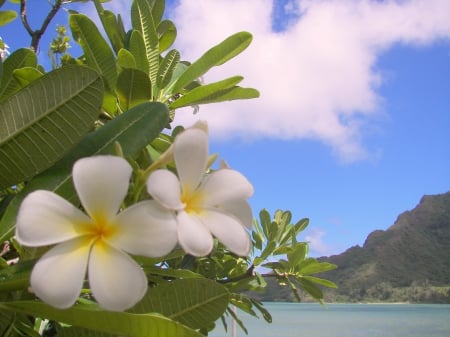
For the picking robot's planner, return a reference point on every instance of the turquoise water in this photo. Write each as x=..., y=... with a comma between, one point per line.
x=347, y=320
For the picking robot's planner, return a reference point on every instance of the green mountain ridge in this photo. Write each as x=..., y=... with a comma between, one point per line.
x=408, y=262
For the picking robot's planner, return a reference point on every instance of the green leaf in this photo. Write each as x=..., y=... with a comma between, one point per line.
x=142, y=20
x=310, y=288
x=293, y=287
x=125, y=59
x=16, y=277
x=166, y=272
x=257, y=240
x=21, y=58
x=7, y=320
x=215, y=92
x=91, y=317
x=81, y=332
x=268, y=250
x=167, y=33
x=111, y=25
x=297, y=254
x=97, y=52
x=215, y=56
x=7, y=16
x=137, y=49
x=236, y=319
x=167, y=67
x=158, y=7
x=265, y=221
x=301, y=225
x=312, y=266
x=133, y=88
x=25, y=76
x=266, y=314
x=194, y=302
x=41, y=122
x=126, y=129
x=320, y=281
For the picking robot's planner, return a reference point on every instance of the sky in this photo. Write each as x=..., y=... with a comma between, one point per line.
x=353, y=124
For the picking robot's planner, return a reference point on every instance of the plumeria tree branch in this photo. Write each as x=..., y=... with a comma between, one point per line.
x=36, y=35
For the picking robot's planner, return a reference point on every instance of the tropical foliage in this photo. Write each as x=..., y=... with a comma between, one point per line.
x=118, y=99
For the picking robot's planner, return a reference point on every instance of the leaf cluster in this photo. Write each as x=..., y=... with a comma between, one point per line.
x=119, y=97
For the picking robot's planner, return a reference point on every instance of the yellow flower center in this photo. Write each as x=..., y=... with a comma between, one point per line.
x=99, y=229
x=193, y=201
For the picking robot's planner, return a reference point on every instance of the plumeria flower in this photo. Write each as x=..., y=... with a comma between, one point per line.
x=97, y=241
x=204, y=205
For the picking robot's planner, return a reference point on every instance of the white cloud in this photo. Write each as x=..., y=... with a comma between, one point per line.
x=317, y=245
x=317, y=78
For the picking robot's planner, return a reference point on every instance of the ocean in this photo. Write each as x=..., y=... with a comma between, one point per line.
x=346, y=320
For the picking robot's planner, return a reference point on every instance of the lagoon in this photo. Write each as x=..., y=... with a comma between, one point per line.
x=346, y=320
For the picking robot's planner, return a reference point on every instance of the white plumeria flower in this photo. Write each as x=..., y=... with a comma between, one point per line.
x=204, y=205
x=98, y=243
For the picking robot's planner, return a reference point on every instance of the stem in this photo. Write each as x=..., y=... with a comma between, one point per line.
x=247, y=274
x=37, y=34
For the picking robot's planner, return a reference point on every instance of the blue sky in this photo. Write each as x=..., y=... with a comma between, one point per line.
x=353, y=124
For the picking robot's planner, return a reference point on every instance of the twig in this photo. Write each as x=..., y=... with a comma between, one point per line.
x=37, y=34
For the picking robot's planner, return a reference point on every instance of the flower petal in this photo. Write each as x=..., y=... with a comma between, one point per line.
x=116, y=280
x=225, y=185
x=193, y=235
x=57, y=278
x=146, y=229
x=102, y=184
x=45, y=218
x=228, y=230
x=165, y=188
x=191, y=156
x=240, y=209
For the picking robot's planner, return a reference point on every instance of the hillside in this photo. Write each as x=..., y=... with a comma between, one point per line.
x=410, y=261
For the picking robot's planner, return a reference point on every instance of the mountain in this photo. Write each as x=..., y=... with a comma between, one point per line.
x=415, y=249
x=410, y=261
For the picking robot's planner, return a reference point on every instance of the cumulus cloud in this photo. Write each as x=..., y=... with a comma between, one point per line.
x=317, y=73
x=317, y=77
x=317, y=245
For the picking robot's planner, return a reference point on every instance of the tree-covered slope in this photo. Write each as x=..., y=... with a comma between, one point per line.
x=410, y=261
x=416, y=249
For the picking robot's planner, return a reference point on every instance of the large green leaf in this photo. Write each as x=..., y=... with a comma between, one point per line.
x=81, y=332
x=142, y=20
x=112, y=26
x=137, y=49
x=41, y=122
x=97, y=52
x=167, y=68
x=91, y=317
x=125, y=129
x=21, y=58
x=215, y=56
x=195, y=302
x=133, y=88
